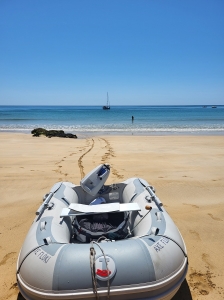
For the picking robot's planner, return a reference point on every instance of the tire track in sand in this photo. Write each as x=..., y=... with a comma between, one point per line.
x=80, y=164
x=108, y=154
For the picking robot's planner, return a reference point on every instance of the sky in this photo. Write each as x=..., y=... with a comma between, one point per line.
x=142, y=52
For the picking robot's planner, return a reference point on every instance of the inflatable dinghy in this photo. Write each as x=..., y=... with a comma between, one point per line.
x=97, y=241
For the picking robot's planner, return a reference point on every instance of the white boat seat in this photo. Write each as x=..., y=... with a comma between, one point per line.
x=76, y=209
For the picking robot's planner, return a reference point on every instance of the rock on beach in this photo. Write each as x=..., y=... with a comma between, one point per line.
x=52, y=133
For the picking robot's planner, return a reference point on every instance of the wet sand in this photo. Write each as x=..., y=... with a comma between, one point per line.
x=187, y=172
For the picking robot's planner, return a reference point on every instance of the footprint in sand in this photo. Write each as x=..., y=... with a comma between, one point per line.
x=200, y=283
x=6, y=257
x=193, y=205
x=195, y=234
x=206, y=259
x=214, y=218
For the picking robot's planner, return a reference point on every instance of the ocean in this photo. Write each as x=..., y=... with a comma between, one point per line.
x=118, y=120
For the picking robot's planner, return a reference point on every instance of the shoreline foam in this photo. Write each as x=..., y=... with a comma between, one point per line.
x=88, y=133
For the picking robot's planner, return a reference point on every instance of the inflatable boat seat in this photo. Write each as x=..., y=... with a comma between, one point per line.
x=90, y=222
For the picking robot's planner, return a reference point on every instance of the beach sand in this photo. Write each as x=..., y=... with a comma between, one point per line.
x=187, y=172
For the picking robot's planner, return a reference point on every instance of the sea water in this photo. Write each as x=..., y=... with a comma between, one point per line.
x=118, y=120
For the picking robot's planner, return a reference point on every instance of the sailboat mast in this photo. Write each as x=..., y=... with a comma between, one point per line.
x=108, y=105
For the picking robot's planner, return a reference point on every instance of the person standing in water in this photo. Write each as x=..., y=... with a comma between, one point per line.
x=132, y=118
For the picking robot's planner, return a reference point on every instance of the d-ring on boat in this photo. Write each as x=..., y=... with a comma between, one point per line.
x=97, y=241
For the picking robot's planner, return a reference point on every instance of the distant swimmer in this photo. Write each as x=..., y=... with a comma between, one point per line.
x=132, y=118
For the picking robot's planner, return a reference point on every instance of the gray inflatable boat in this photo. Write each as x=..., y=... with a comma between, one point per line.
x=98, y=241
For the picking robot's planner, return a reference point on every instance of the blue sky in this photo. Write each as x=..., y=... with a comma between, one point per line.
x=143, y=52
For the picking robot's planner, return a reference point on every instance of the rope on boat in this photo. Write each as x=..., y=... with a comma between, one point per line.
x=149, y=208
x=92, y=267
x=34, y=250
x=185, y=254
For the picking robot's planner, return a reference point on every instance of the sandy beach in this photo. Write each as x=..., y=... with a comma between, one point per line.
x=187, y=172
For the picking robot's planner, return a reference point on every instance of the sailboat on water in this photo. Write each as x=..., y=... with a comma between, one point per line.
x=108, y=104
